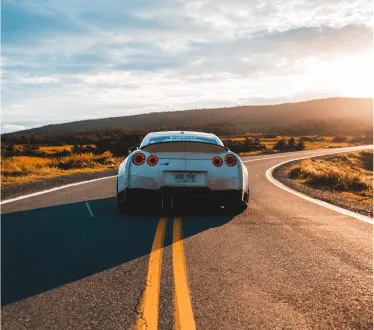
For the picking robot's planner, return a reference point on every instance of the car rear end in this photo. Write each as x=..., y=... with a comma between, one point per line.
x=185, y=169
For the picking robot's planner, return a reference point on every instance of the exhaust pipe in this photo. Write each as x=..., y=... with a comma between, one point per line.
x=167, y=202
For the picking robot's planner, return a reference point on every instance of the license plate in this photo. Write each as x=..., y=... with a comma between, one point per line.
x=184, y=178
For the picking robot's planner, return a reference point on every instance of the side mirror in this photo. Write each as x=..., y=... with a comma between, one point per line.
x=131, y=149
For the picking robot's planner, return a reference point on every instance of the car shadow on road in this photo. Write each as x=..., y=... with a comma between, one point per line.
x=45, y=248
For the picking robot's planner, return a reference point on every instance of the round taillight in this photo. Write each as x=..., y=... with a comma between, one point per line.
x=217, y=161
x=230, y=160
x=152, y=160
x=138, y=159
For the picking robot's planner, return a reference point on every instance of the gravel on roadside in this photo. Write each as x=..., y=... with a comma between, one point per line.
x=16, y=190
x=281, y=174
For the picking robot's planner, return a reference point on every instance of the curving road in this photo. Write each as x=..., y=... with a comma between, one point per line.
x=70, y=261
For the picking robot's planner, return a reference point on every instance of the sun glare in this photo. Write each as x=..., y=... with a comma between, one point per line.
x=350, y=76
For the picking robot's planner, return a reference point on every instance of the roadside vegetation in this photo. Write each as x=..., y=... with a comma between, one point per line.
x=26, y=162
x=267, y=144
x=349, y=175
x=22, y=169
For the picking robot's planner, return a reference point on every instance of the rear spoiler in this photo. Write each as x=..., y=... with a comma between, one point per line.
x=214, y=144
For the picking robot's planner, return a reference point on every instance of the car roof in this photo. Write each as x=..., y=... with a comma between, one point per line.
x=175, y=136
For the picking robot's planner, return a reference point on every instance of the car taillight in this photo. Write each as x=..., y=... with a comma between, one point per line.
x=217, y=161
x=138, y=159
x=152, y=160
x=230, y=160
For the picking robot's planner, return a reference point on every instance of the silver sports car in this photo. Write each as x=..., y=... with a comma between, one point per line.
x=170, y=165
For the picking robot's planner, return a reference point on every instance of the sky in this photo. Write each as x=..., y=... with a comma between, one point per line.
x=83, y=59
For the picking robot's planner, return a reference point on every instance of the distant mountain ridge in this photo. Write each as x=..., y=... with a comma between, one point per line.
x=355, y=114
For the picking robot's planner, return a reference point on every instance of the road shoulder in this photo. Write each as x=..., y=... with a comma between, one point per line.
x=280, y=173
x=17, y=190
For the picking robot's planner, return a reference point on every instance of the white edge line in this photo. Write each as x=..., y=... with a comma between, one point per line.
x=269, y=176
x=288, y=154
x=113, y=176
x=53, y=189
x=264, y=158
x=89, y=209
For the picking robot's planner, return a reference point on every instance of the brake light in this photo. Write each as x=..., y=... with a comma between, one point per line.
x=152, y=160
x=217, y=161
x=230, y=160
x=138, y=159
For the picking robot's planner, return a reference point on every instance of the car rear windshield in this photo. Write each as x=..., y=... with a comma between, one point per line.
x=197, y=147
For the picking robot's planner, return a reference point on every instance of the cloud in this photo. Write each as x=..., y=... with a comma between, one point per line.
x=75, y=60
x=7, y=128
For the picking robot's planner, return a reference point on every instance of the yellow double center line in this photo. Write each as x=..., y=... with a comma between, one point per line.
x=148, y=316
x=183, y=315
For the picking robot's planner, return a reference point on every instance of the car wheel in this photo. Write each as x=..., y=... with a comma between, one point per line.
x=122, y=204
x=246, y=198
x=122, y=207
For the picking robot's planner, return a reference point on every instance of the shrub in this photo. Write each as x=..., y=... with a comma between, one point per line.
x=244, y=145
x=76, y=161
x=339, y=139
x=10, y=150
x=30, y=150
x=300, y=145
x=362, y=139
x=366, y=158
x=76, y=149
x=281, y=145
x=104, y=158
x=314, y=138
x=307, y=138
x=270, y=136
x=295, y=172
x=88, y=149
x=291, y=144
x=62, y=153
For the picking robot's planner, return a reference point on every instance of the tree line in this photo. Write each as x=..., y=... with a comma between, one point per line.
x=120, y=147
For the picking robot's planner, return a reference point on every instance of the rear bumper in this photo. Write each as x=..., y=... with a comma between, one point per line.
x=157, y=181
x=181, y=192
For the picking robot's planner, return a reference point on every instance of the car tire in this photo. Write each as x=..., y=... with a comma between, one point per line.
x=246, y=198
x=122, y=204
x=122, y=207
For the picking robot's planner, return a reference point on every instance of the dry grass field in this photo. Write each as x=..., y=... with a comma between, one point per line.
x=54, y=149
x=310, y=142
x=315, y=143
x=21, y=169
x=350, y=175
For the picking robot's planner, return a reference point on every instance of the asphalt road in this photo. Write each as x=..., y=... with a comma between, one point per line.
x=284, y=263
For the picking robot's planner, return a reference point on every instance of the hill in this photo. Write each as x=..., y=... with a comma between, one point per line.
x=334, y=116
